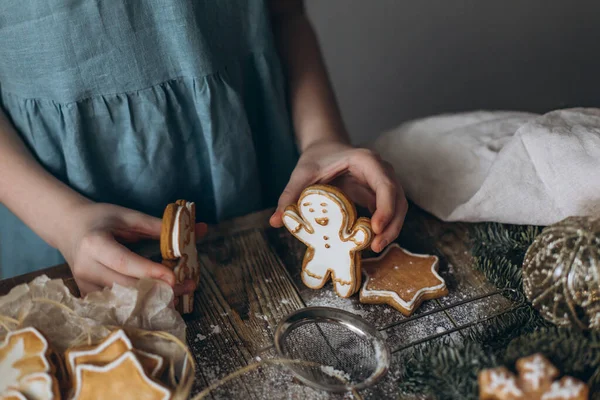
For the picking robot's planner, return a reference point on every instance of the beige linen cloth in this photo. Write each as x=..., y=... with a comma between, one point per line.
x=509, y=167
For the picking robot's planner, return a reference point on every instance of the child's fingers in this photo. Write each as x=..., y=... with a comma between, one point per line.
x=122, y=260
x=358, y=193
x=370, y=169
x=187, y=287
x=86, y=287
x=301, y=177
x=142, y=223
x=393, y=229
x=104, y=276
x=201, y=230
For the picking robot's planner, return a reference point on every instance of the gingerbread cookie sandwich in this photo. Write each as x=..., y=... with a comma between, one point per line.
x=535, y=381
x=178, y=247
x=26, y=370
x=401, y=279
x=325, y=221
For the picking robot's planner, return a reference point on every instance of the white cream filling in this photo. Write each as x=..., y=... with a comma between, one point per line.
x=176, y=248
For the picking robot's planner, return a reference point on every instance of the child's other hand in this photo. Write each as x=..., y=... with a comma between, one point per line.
x=361, y=174
x=94, y=251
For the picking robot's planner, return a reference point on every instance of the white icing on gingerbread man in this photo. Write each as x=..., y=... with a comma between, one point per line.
x=326, y=223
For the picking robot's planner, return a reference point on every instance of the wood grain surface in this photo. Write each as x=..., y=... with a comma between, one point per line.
x=250, y=280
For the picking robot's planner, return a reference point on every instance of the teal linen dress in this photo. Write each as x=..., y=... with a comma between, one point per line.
x=141, y=102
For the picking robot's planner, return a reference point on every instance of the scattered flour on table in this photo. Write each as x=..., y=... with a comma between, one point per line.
x=326, y=297
x=440, y=329
x=216, y=329
x=285, y=301
x=260, y=316
x=199, y=337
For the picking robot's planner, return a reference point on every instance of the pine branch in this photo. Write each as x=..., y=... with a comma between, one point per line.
x=445, y=371
x=574, y=352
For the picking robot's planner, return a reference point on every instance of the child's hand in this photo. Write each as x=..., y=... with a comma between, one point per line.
x=361, y=174
x=93, y=249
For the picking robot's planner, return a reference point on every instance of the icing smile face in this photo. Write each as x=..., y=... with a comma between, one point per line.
x=322, y=221
x=324, y=211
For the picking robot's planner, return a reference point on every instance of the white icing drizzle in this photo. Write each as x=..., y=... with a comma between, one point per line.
x=388, y=293
x=37, y=386
x=129, y=356
x=118, y=335
x=8, y=379
x=157, y=358
x=503, y=382
x=565, y=389
x=536, y=371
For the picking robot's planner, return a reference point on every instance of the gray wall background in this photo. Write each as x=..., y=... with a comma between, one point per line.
x=394, y=60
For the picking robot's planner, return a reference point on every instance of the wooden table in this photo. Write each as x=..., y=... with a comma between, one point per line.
x=251, y=280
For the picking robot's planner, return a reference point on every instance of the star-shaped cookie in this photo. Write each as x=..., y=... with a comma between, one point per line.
x=24, y=367
x=124, y=378
x=401, y=279
x=113, y=346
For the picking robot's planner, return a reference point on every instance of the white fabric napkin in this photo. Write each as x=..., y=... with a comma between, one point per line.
x=509, y=167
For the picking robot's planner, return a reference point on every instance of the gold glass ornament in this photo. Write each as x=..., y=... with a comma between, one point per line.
x=561, y=272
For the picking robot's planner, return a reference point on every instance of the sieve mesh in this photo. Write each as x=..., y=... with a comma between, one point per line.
x=335, y=354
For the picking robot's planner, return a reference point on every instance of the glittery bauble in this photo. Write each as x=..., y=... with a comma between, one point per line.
x=561, y=272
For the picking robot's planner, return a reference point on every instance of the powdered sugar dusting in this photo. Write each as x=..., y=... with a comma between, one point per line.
x=536, y=371
x=504, y=383
x=335, y=373
x=566, y=388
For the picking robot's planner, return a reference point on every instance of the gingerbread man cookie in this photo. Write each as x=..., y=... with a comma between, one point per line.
x=325, y=221
x=401, y=279
x=178, y=246
x=535, y=381
x=24, y=367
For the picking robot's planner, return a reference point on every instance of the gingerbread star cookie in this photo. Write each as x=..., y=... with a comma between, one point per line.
x=114, y=369
x=24, y=367
x=535, y=381
x=401, y=279
x=178, y=247
x=123, y=378
x=112, y=347
x=325, y=221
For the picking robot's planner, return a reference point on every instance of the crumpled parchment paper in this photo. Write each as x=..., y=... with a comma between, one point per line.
x=67, y=321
